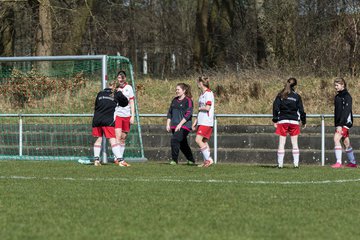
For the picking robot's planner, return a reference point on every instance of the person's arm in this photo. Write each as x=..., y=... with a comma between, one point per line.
x=132, y=109
x=302, y=112
x=276, y=109
x=187, y=115
x=121, y=99
x=346, y=120
x=169, y=117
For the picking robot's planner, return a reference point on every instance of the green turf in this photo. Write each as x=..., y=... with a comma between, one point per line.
x=66, y=200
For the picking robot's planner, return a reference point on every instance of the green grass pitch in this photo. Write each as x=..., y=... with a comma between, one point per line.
x=66, y=200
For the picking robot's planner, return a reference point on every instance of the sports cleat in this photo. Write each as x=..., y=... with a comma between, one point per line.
x=296, y=166
x=97, y=163
x=336, y=165
x=280, y=167
x=191, y=163
x=117, y=160
x=173, y=162
x=123, y=164
x=207, y=163
x=351, y=165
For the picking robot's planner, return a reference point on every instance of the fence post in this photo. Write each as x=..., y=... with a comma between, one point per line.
x=215, y=139
x=322, y=140
x=20, y=135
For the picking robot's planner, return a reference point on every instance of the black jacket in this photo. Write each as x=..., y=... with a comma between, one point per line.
x=105, y=104
x=343, y=109
x=181, y=109
x=290, y=108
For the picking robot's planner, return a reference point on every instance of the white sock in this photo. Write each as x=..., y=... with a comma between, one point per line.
x=205, y=152
x=116, y=150
x=122, y=150
x=97, y=150
x=338, y=154
x=296, y=154
x=280, y=157
x=350, y=155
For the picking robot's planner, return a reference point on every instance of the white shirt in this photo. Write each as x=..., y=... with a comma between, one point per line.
x=206, y=118
x=128, y=92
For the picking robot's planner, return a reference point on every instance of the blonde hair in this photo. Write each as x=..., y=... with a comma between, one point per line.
x=205, y=81
x=340, y=81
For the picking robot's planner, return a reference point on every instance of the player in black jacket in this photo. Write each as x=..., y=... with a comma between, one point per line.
x=343, y=122
x=288, y=111
x=179, y=122
x=104, y=121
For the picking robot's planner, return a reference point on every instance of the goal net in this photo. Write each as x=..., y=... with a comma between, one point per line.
x=46, y=107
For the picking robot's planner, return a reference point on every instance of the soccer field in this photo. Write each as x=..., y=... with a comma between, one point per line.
x=66, y=200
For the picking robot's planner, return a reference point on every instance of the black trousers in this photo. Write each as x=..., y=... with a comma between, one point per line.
x=179, y=142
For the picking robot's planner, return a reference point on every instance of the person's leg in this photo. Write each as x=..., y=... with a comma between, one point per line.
x=115, y=147
x=97, y=147
x=184, y=146
x=122, y=143
x=204, y=147
x=349, y=153
x=175, y=145
x=295, y=150
x=338, y=150
x=281, y=151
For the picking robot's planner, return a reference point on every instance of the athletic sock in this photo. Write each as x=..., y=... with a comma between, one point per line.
x=350, y=155
x=280, y=157
x=122, y=150
x=338, y=154
x=296, y=154
x=116, y=150
x=97, y=150
x=205, y=152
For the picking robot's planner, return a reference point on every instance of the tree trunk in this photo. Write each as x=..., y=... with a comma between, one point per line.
x=44, y=40
x=78, y=28
x=7, y=32
x=201, y=34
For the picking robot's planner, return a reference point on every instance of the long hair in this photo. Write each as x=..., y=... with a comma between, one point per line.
x=288, y=88
x=186, y=88
x=205, y=81
x=340, y=81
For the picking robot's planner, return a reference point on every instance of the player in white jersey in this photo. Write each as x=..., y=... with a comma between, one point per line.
x=124, y=116
x=205, y=120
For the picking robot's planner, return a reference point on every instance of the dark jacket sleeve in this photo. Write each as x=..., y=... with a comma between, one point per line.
x=301, y=111
x=121, y=99
x=276, y=109
x=347, y=110
x=189, y=110
x=169, y=114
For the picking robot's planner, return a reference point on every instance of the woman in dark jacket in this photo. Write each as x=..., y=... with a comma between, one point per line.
x=343, y=122
x=179, y=122
x=288, y=112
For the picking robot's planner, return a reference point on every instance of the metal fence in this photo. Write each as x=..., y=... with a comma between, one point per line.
x=321, y=117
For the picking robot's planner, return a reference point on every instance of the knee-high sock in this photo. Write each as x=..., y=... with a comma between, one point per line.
x=280, y=157
x=122, y=150
x=296, y=154
x=338, y=154
x=205, y=152
x=350, y=155
x=97, y=150
x=116, y=150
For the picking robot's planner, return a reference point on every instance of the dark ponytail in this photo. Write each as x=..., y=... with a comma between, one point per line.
x=288, y=88
x=186, y=88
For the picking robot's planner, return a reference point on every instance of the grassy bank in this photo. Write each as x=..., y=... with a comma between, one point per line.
x=246, y=92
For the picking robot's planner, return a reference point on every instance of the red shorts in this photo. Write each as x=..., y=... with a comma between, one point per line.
x=344, y=132
x=204, y=131
x=108, y=131
x=123, y=123
x=284, y=128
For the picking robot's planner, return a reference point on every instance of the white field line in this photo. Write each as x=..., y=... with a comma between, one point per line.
x=180, y=180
